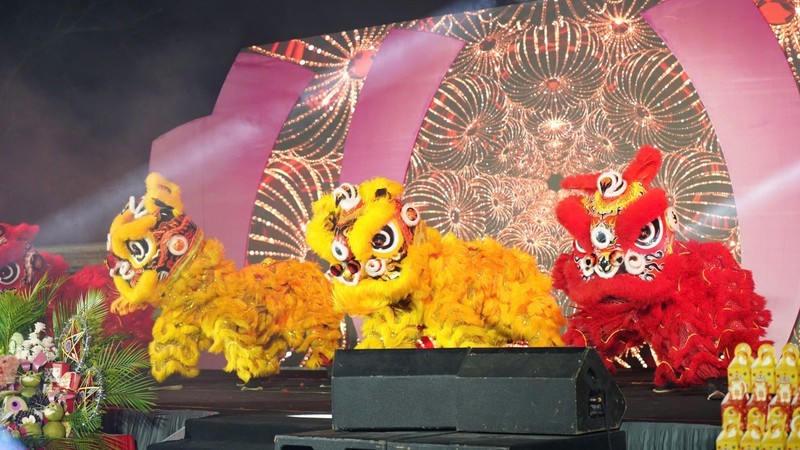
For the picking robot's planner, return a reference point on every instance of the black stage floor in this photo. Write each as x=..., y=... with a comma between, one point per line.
x=298, y=391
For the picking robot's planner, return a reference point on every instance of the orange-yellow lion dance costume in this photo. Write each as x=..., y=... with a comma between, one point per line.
x=253, y=316
x=417, y=288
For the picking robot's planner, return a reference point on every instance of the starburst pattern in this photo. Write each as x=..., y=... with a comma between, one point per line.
x=487, y=41
x=601, y=143
x=465, y=120
x=622, y=29
x=449, y=203
x=319, y=121
x=649, y=99
x=283, y=203
x=512, y=156
x=554, y=65
x=699, y=189
x=497, y=194
x=556, y=130
x=533, y=238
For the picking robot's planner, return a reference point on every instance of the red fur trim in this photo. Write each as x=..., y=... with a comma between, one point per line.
x=17, y=236
x=586, y=182
x=572, y=215
x=23, y=231
x=56, y=265
x=137, y=324
x=638, y=214
x=699, y=307
x=644, y=166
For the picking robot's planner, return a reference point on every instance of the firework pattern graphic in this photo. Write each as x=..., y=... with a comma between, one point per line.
x=539, y=91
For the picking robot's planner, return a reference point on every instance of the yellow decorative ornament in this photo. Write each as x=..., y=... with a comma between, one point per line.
x=417, y=288
x=253, y=316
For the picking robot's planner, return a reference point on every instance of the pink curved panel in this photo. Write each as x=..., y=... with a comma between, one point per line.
x=218, y=160
x=401, y=83
x=745, y=83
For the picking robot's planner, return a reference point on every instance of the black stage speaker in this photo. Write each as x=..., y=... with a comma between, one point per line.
x=564, y=391
x=560, y=391
x=400, y=389
x=445, y=440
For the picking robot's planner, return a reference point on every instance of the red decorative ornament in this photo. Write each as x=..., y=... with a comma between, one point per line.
x=777, y=12
x=359, y=66
x=425, y=342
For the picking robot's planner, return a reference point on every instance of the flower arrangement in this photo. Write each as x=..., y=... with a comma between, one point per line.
x=59, y=380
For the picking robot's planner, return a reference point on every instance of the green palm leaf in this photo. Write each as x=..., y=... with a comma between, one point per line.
x=20, y=310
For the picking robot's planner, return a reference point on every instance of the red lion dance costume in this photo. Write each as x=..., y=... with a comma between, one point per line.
x=22, y=266
x=633, y=285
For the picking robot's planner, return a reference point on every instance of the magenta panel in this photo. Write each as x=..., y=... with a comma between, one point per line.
x=405, y=75
x=219, y=160
x=742, y=76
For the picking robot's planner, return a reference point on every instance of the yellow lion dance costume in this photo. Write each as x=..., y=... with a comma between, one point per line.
x=253, y=316
x=416, y=288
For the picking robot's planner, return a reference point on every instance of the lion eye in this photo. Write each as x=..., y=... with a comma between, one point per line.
x=601, y=236
x=138, y=249
x=340, y=250
x=165, y=215
x=650, y=235
x=386, y=240
x=9, y=274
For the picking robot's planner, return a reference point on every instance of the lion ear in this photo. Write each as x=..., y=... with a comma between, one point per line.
x=319, y=230
x=21, y=232
x=162, y=192
x=644, y=167
x=380, y=188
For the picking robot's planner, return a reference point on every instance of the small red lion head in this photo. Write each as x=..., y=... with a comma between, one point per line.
x=20, y=264
x=623, y=226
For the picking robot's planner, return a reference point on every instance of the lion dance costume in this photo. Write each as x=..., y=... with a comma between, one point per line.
x=253, y=316
x=417, y=288
x=22, y=266
x=633, y=285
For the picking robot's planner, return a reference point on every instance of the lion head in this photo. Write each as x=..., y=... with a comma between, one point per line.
x=149, y=240
x=367, y=234
x=622, y=227
x=21, y=265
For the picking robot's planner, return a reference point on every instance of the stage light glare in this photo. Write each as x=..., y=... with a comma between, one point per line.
x=772, y=186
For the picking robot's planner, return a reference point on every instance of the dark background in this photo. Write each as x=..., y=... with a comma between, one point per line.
x=85, y=87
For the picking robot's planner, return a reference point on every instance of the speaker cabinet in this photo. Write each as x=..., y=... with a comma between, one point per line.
x=557, y=391
x=564, y=391
x=398, y=389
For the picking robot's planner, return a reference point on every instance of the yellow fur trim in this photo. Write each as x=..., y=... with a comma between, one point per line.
x=380, y=213
x=142, y=293
x=320, y=228
x=163, y=190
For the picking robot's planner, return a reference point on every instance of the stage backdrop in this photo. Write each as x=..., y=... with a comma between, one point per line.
x=481, y=114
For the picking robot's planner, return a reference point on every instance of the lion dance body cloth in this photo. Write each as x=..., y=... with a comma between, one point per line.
x=416, y=288
x=253, y=316
x=634, y=286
